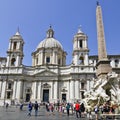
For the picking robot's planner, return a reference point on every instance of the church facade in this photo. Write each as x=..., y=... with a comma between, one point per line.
x=49, y=78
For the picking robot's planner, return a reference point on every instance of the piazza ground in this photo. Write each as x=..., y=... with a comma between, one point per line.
x=14, y=113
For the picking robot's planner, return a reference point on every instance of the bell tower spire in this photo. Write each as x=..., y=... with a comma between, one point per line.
x=103, y=65
x=80, y=48
x=15, y=51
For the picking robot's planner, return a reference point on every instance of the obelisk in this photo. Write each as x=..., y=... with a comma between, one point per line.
x=103, y=65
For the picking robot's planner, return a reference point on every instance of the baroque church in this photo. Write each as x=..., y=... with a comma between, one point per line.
x=49, y=78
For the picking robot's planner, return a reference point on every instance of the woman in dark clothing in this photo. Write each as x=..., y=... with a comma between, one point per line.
x=36, y=108
x=68, y=108
x=82, y=108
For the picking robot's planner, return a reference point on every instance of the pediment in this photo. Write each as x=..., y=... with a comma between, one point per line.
x=46, y=73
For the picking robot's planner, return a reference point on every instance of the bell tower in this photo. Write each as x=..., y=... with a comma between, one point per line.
x=80, y=48
x=15, y=51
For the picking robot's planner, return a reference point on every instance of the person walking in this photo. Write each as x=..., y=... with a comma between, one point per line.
x=6, y=106
x=21, y=106
x=77, y=108
x=68, y=108
x=29, y=108
x=36, y=106
x=82, y=108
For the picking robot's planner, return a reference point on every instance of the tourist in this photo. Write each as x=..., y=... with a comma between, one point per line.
x=96, y=109
x=7, y=106
x=77, y=108
x=29, y=108
x=68, y=108
x=51, y=108
x=47, y=106
x=36, y=108
x=82, y=108
x=72, y=108
x=21, y=106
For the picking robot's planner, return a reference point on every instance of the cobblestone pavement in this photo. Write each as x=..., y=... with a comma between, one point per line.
x=13, y=113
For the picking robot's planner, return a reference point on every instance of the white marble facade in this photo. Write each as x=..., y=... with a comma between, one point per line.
x=49, y=78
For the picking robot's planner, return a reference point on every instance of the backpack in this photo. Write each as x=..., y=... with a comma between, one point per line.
x=68, y=107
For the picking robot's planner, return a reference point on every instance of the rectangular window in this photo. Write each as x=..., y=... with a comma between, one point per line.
x=82, y=85
x=9, y=86
x=80, y=44
x=59, y=61
x=48, y=60
x=15, y=45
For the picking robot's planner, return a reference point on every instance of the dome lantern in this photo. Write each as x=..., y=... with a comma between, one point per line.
x=50, y=33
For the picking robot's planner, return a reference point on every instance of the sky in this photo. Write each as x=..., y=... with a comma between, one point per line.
x=33, y=17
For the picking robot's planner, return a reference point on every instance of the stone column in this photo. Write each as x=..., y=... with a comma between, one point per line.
x=39, y=91
x=42, y=57
x=68, y=91
x=88, y=85
x=56, y=56
x=14, y=89
x=1, y=82
x=35, y=90
x=53, y=57
x=78, y=44
x=119, y=63
x=56, y=90
x=12, y=45
x=19, y=90
x=80, y=89
x=8, y=61
x=77, y=89
x=72, y=92
x=86, y=59
x=17, y=61
x=3, y=90
x=52, y=90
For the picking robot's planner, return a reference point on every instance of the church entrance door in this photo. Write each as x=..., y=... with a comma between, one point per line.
x=27, y=97
x=46, y=95
x=64, y=97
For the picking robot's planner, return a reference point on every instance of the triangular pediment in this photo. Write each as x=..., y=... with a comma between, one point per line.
x=46, y=73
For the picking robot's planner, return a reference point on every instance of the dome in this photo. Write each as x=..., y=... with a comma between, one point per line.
x=50, y=41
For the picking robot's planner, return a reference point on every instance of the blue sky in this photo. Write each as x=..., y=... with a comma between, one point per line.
x=35, y=16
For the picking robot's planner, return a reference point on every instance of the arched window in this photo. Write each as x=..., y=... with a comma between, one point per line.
x=15, y=45
x=81, y=59
x=13, y=60
x=80, y=44
x=9, y=85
